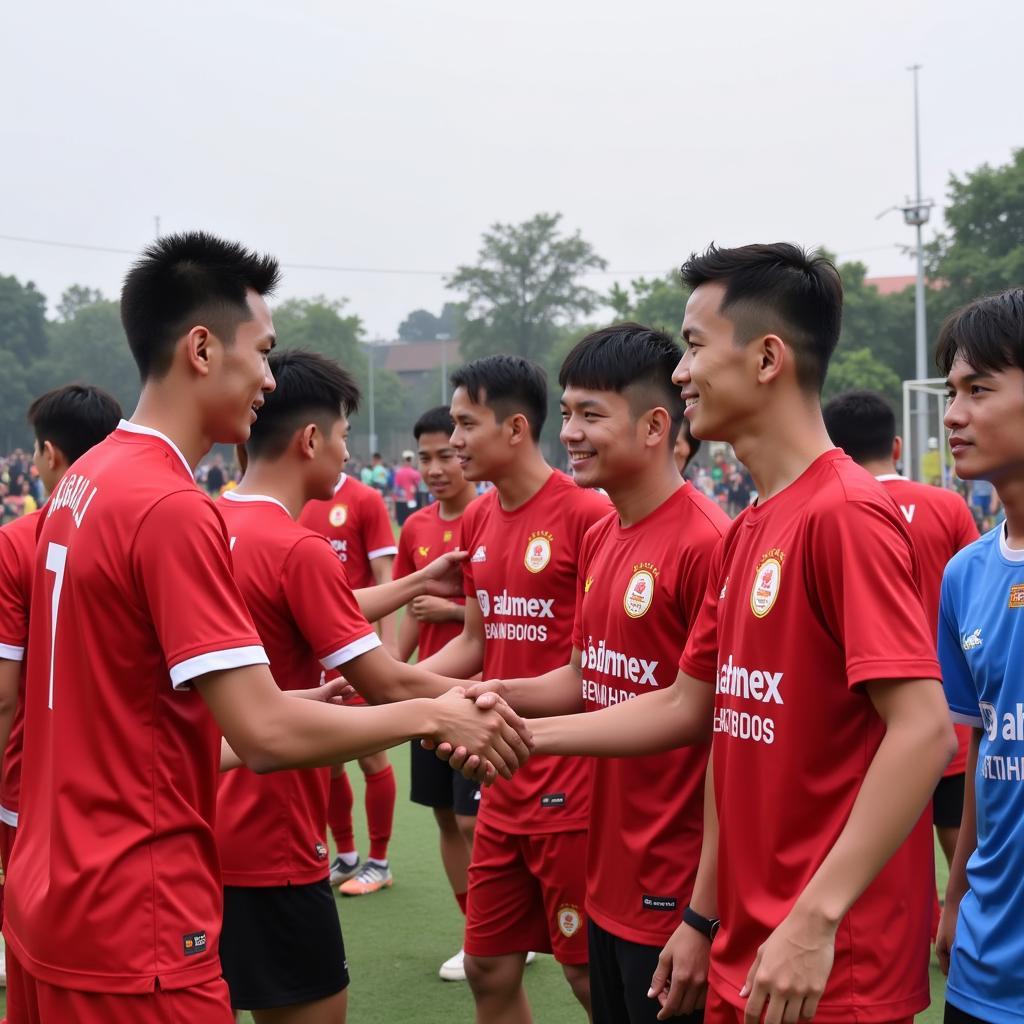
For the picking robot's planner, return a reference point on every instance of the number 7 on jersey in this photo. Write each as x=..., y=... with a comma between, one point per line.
x=56, y=560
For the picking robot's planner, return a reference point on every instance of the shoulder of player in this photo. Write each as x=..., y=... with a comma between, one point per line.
x=703, y=513
x=21, y=532
x=969, y=560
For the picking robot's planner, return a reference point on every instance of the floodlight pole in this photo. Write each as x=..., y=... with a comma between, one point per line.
x=373, y=408
x=918, y=216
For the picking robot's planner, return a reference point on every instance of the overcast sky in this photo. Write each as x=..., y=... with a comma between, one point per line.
x=389, y=135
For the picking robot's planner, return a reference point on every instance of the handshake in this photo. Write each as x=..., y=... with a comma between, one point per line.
x=478, y=733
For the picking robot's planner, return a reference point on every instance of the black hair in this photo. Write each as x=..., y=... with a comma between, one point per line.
x=184, y=280
x=628, y=357
x=862, y=423
x=434, y=421
x=988, y=333
x=507, y=385
x=73, y=418
x=782, y=289
x=310, y=389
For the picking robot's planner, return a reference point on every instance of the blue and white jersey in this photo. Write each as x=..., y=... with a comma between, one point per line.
x=981, y=648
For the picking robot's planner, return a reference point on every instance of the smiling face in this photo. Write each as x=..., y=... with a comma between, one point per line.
x=603, y=436
x=239, y=376
x=717, y=377
x=439, y=465
x=985, y=418
x=481, y=443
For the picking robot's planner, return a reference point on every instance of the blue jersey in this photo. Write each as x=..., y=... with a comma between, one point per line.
x=981, y=647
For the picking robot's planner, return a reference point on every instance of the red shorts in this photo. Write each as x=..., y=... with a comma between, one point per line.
x=526, y=893
x=7, y=834
x=30, y=1001
x=718, y=1011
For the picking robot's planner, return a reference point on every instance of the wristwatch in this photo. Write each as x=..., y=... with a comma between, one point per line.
x=707, y=926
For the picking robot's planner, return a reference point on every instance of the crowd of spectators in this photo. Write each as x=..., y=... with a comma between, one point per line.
x=21, y=490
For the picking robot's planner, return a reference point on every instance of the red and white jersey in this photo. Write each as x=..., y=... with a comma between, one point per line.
x=812, y=594
x=114, y=884
x=522, y=570
x=17, y=554
x=940, y=524
x=639, y=590
x=356, y=523
x=426, y=536
x=271, y=828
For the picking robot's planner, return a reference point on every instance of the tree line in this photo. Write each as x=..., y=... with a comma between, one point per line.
x=526, y=293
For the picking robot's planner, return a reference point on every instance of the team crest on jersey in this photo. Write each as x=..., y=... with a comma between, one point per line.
x=337, y=516
x=538, y=551
x=424, y=551
x=321, y=851
x=446, y=539
x=640, y=591
x=569, y=919
x=767, y=580
x=1017, y=595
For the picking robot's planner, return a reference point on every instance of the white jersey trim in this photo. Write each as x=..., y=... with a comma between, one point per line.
x=365, y=643
x=962, y=719
x=890, y=476
x=235, y=496
x=9, y=817
x=1010, y=554
x=138, y=428
x=12, y=653
x=217, y=661
x=381, y=552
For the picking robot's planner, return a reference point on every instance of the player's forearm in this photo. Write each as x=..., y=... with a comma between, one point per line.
x=554, y=693
x=704, y=898
x=668, y=718
x=229, y=760
x=461, y=658
x=10, y=679
x=898, y=784
x=408, y=637
x=385, y=598
x=967, y=839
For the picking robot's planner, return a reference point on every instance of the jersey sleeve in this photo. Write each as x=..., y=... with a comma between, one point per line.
x=700, y=655
x=13, y=604
x=957, y=681
x=469, y=543
x=403, y=560
x=323, y=605
x=585, y=557
x=378, y=537
x=862, y=575
x=185, y=579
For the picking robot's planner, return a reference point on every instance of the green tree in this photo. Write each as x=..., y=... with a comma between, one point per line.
x=654, y=302
x=860, y=368
x=75, y=298
x=524, y=286
x=983, y=249
x=22, y=319
x=318, y=324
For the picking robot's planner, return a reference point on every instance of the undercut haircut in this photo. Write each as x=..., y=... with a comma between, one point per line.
x=73, y=418
x=987, y=333
x=862, y=423
x=310, y=389
x=183, y=281
x=434, y=421
x=632, y=360
x=507, y=385
x=780, y=289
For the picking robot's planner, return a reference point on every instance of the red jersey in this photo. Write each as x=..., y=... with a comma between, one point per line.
x=17, y=553
x=811, y=595
x=426, y=536
x=638, y=591
x=356, y=523
x=940, y=524
x=271, y=828
x=522, y=571
x=114, y=885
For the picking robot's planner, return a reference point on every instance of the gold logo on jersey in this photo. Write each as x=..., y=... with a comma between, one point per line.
x=569, y=919
x=424, y=551
x=767, y=579
x=538, y=551
x=337, y=516
x=1017, y=595
x=588, y=584
x=639, y=594
x=446, y=539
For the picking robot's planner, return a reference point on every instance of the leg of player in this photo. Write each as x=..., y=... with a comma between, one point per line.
x=497, y=984
x=375, y=874
x=332, y=1010
x=346, y=864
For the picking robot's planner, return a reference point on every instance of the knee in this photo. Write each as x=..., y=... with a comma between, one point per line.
x=578, y=976
x=374, y=763
x=491, y=976
x=446, y=821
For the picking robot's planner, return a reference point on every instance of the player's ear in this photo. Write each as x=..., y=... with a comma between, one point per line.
x=197, y=345
x=656, y=424
x=519, y=427
x=897, y=448
x=53, y=456
x=308, y=437
x=772, y=356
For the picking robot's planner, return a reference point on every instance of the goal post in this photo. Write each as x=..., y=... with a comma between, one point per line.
x=921, y=462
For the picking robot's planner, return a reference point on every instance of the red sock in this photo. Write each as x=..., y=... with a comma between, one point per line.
x=460, y=898
x=339, y=813
x=380, y=811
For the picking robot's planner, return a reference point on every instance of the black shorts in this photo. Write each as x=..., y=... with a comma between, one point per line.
x=620, y=975
x=948, y=802
x=281, y=945
x=434, y=784
x=955, y=1016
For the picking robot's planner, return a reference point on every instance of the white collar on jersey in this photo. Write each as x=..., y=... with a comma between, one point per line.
x=890, y=476
x=1010, y=554
x=235, y=496
x=341, y=482
x=138, y=428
